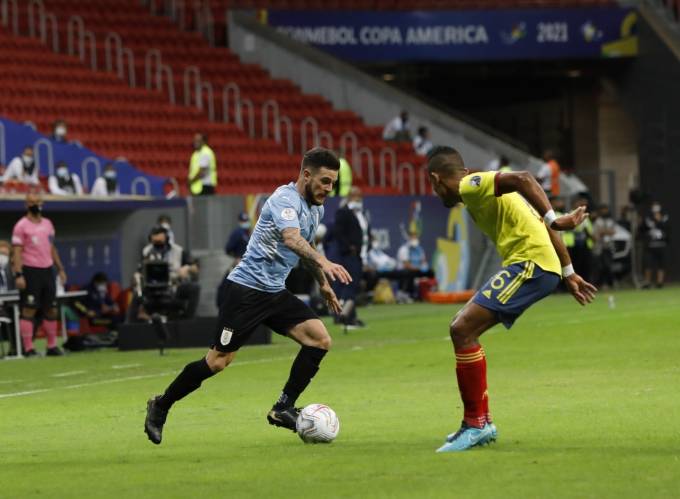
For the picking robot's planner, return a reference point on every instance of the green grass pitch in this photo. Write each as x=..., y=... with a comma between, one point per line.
x=586, y=401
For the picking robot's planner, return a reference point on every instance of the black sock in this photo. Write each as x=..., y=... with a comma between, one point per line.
x=304, y=367
x=186, y=382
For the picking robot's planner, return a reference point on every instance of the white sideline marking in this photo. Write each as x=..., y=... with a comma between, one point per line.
x=7, y=381
x=125, y=366
x=69, y=373
x=130, y=378
x=19, y=394
x=159, y=375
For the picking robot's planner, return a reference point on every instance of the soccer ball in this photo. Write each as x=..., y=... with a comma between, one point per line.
x=317, y=423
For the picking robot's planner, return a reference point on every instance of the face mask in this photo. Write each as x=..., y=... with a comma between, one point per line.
x=110, y=174
x=159, y=246
x=60, y=131
x=102, y=289
x=413, y=242
x=355, y=205
x=35, y=209
x=244, y=225
x=62, y=172
x=165, y=225
x=28, y=160
x=4, y=260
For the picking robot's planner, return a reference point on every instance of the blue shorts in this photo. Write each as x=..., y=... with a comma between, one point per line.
x=514, y=289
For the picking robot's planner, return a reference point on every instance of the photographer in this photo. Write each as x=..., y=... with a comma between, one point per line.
x=182, y=273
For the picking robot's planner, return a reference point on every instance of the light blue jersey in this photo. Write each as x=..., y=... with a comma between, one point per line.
x=267, y=261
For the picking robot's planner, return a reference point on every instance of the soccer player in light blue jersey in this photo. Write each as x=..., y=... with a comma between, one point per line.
x=255, y=294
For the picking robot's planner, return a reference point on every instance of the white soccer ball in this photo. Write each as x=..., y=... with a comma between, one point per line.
x=317, y=423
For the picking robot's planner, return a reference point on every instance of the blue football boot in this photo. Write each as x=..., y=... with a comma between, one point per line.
x=466, y=437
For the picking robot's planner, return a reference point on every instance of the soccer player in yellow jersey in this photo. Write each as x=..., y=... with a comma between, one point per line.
x=513, y=210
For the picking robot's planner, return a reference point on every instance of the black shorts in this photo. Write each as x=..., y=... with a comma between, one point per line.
x=244, y=308
x=655, y=258
x=41, y=289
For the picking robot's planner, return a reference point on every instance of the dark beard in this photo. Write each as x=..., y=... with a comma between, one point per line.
x=309, y=196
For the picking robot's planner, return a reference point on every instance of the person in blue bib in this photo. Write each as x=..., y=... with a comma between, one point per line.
x=255, y=294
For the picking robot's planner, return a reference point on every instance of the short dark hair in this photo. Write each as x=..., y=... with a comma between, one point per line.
x=320, y=157
x=100, y=277
x=444, y=160
x=163, y=217
x=158, y=229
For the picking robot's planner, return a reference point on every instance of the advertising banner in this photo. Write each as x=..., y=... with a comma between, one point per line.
x=506, y=34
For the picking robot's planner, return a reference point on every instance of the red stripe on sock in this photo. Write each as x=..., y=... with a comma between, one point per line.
x=472, y=385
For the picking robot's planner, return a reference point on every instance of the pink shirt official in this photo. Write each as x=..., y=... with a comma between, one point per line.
x=36, y=242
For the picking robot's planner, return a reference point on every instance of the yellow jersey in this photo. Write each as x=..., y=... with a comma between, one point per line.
x=518, y=232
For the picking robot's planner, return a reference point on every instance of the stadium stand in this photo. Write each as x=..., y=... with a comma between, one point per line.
x=151, y=128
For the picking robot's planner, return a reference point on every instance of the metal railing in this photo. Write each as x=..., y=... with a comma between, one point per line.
x=143, y=181
x=364, y=152
x=90, y=160
x=76, y=22
x=274, y=106
x=43, y=17
x=38, y=155
x=232, y=88
x=352, y=138
x=384, y=153
x=176, y=10
x=200, y=87
x=311, y=121
x=205, y=24
x=156, y=82
x=289, y=132
x=4, y=12
x=248, y=104
x=408, y=167
x=424, y=181
x=113, y=38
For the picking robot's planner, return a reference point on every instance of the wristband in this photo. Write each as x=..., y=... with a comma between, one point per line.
x=549, y=217
x=568, y=270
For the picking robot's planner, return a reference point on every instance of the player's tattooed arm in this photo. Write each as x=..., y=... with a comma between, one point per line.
x=316, y=272
x=324, y=287
x=529, y=188
x=297, y=244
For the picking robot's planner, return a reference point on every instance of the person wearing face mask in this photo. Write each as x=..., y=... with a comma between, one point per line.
x=6, y=285
x=238, y=239
x=98, y=305
x=64, y=183
x=604, y=230
x=412, y=259
x=166, y=222
x=656, y=229
x=59, y=132
x=183, y=269
x=107, y=184
x=22, y=169
x=35, y=257
x=202, y=177
x=351, y=231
